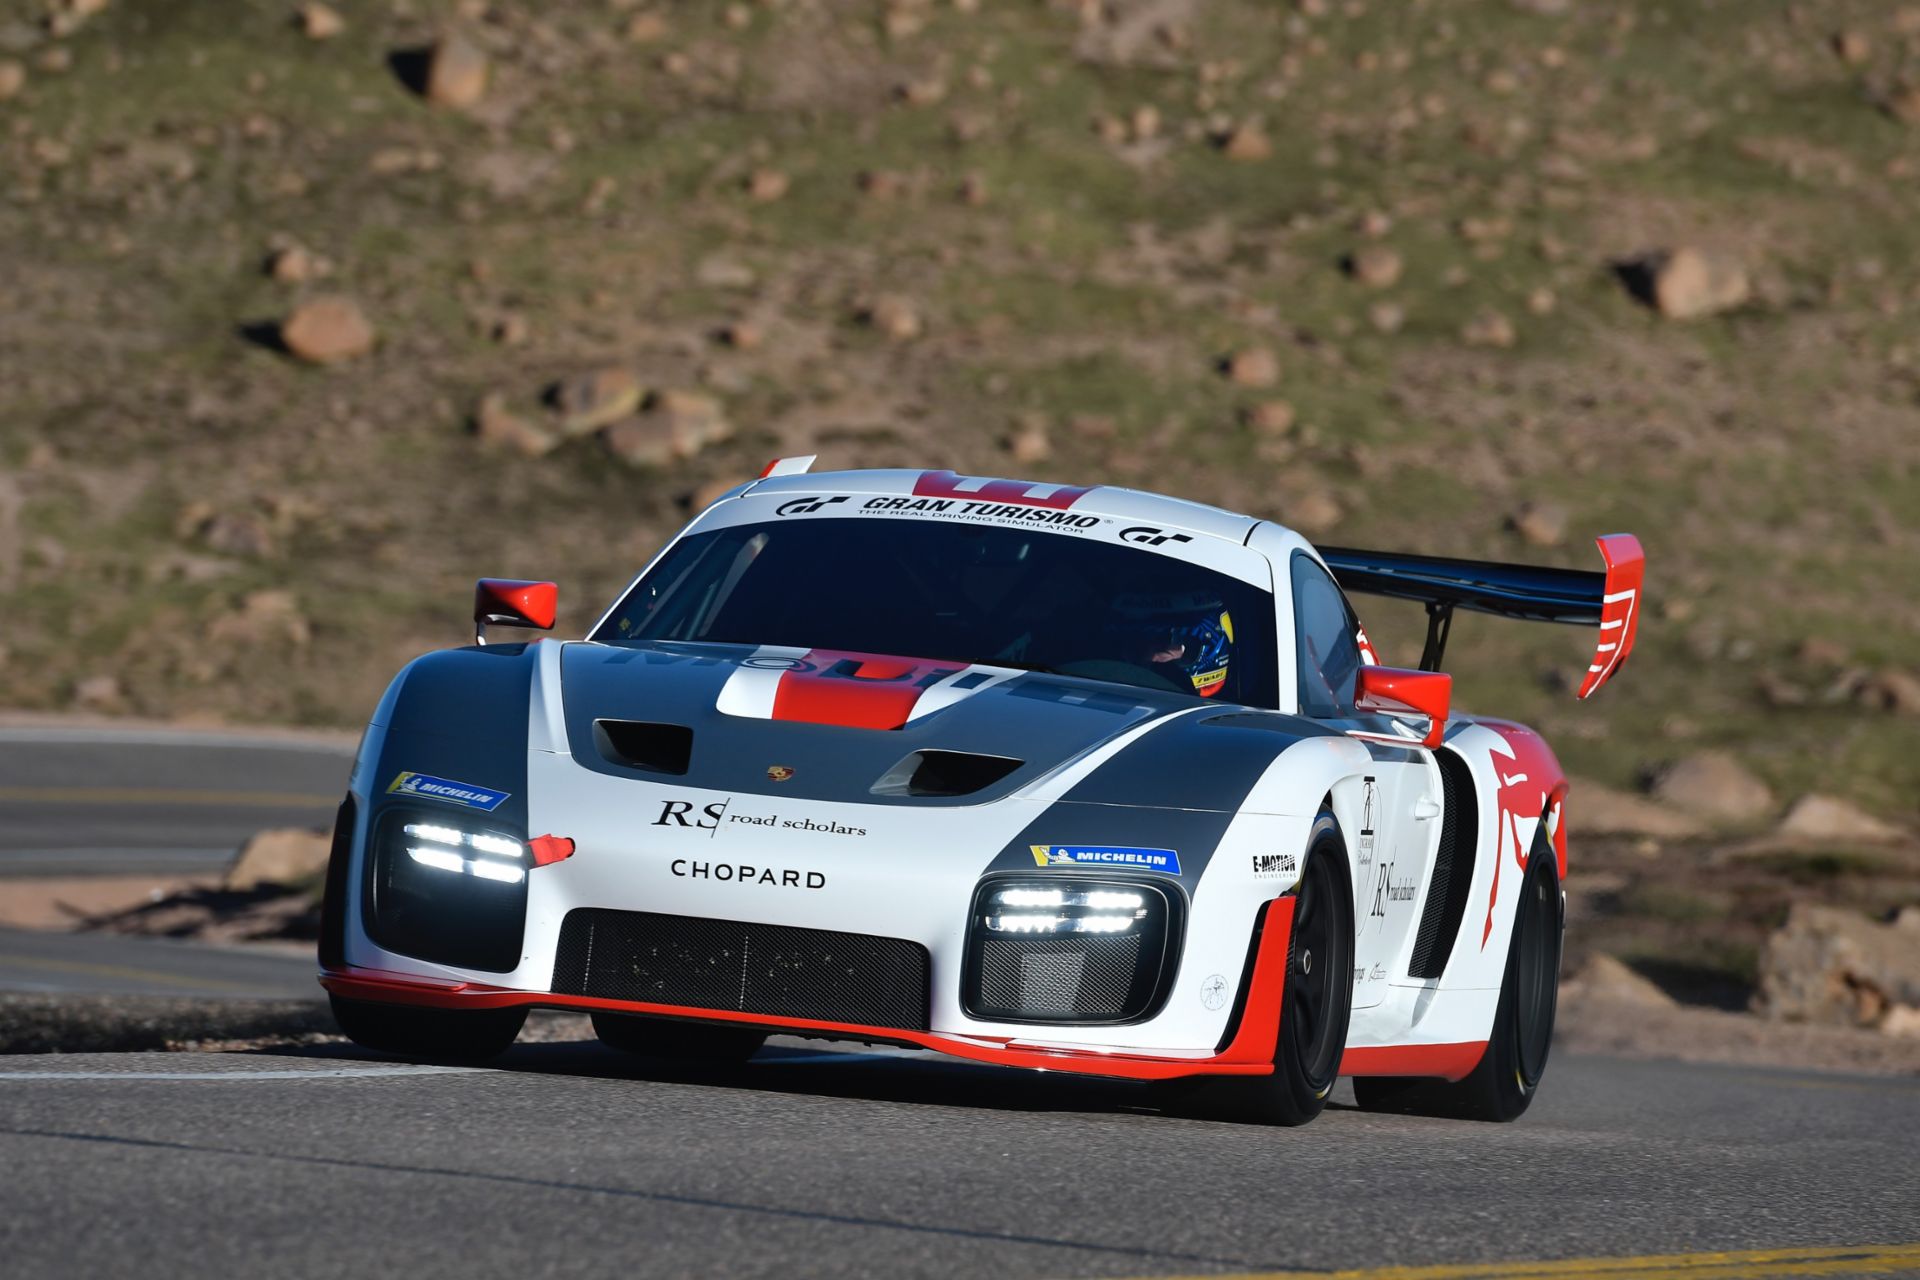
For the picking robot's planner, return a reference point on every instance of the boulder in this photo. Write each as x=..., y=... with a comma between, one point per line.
x=1818, y=819
x=1712, y=784
x=676, y=425
x=1833, y=966
x=1596, y=810
x=327, y=331
x=497, y=426
x=456, y=72
x=593, y=400
x=1253, y=367
x=1891, y=690
x=320, y=22
x=13, y=78
x=279, y=855
x=1688, y=283
x=1375, y=266
x=1541, y=524
x=1604, y=977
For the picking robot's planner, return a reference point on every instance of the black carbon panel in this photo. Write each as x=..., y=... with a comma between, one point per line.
x=776, y=970
x=1084, y=976
x=1452, y=869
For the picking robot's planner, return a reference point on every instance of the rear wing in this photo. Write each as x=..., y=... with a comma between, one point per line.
x=1609, y=600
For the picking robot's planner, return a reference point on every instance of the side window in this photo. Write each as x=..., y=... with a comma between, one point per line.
x=1325, y=641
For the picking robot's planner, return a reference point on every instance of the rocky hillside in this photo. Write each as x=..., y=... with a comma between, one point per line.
x=313, y=313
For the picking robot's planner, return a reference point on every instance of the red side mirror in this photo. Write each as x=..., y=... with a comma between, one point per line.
x=512, y=603
x=1396, y=691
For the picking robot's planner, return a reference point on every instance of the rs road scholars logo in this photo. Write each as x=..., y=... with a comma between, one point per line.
x=1114, y=856
x=464, y=794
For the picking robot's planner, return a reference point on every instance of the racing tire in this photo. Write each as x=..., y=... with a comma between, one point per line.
x=668, y=1038
x=1316, y=1004
x=1503, y=1085
x=432, y=1035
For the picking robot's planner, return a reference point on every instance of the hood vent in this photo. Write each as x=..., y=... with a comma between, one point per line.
x=944, y=773
x=639, y=744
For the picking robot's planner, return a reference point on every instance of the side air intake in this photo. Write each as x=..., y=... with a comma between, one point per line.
x=638, y=744
x=1452, y=868
x=944, y=773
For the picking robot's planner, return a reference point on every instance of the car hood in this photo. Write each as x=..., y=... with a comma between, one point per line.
x=835, y=726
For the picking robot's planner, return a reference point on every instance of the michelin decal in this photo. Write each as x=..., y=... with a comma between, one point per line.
x=464, y=794
x=1110, y=856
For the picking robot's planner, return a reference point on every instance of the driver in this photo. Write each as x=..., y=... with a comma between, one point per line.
x=1187, y=640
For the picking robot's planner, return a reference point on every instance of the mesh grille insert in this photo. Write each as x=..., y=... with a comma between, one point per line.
x=1083, y=977
x=776, y=970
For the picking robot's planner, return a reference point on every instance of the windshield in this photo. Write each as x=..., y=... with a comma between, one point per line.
x=955, y=592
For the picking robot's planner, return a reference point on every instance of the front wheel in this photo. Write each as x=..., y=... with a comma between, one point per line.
x=1316, y=1003
x=433, y=1035
x=1503, y=1085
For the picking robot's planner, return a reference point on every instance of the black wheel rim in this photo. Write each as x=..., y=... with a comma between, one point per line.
x=1314, y=970
x=1536, y=975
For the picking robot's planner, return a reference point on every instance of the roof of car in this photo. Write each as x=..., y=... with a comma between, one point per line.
x=1101, y=500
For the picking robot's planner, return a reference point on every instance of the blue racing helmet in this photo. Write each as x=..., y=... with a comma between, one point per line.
x=1189, y=638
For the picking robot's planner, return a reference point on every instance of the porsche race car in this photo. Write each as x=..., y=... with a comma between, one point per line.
x=1075, y=778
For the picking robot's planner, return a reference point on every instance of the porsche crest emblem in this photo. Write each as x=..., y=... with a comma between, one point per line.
x=779, y=772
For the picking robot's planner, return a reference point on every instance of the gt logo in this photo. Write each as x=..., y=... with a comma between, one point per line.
x=805, y=506
x=1149, y=536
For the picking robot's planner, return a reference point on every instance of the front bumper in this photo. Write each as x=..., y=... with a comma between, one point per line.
x=1253, y=1031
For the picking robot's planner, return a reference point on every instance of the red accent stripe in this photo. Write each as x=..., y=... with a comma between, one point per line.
x=856, y=690
x=1441, y=1061
x=946, y=484
x=1626, y=575
x=1250, y=1054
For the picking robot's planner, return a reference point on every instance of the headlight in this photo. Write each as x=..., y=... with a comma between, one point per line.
x=447, y=849
x=1069, y=949
x=441, y=888
x=1010, y=910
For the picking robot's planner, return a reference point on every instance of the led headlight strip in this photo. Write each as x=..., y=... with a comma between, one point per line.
x=1063, y=910
x=445, y=849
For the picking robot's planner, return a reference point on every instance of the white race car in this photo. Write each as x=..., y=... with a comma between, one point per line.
x=1083, y=779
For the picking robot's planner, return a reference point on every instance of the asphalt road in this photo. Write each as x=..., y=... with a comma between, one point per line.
x=572, y=1160
x=86, y=801
x=34, y=962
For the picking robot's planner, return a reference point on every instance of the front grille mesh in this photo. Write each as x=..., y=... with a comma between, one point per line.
x=778, y=970
x=1082, y=977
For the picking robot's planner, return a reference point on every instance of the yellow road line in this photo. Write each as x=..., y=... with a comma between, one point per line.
x=1748, y=1264
x=166, y=795
x=122, y=971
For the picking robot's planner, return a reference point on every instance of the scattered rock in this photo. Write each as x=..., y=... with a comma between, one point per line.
x=1246, y=143
x=282, y=856
x=972, y=190
x=265, y=619
x=894, y=316
x=1541, y=301
x=498, y=426
x=646, y=28
x=456, y=72
x=1712, y=784
x=13, y=78
x=594, y=400
x=1852, y=47
x=742, y=335
x=1489, y=329
x=99, y=693
x=1817, y=818
x=676, y=425
x=319, y=22
x=1541, y=524
x=1314, y=512
x=1605, y=978
x=1386, y=317
x=1375, y=265
x=1599, y=810
x=1890, y=690
x=764, y=186
x=717, y=271
x=1688, y=283
x=878, y=184
x=1903, y=103
x=1030, y=442
x=326, y=331
x=1269, y=417
x=1828, y=965
x=292, y=265
x=509, y=329
x=55, y=59
x=1252, y=367
x=235, y=534
x=1818, y=651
